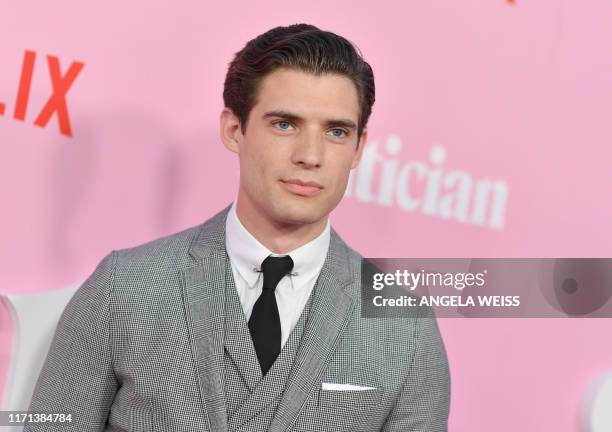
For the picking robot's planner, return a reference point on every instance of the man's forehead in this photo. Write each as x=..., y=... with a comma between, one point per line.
x=307, y=94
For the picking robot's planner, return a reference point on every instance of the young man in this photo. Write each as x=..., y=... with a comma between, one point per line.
x=251, y=321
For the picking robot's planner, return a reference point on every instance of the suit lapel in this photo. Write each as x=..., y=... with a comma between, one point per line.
x=238, y=343
x=331, y=310
x=204, y=296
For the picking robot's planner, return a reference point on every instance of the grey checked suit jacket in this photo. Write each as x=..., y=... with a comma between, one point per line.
x=140, y=348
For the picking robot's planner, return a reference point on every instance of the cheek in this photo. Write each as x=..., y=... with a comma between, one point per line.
x=342, y=168
x=260, y=160
x=252, y=155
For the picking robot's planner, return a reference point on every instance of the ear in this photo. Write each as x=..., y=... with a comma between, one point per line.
x=360, y=145
x=231, y=133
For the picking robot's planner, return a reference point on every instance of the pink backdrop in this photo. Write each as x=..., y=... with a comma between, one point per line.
x=512, y=95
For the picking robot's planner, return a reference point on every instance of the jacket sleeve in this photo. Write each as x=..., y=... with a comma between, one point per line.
x=424, y=401
x=77, y=376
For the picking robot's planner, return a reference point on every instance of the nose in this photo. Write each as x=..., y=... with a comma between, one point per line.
x=309, y=149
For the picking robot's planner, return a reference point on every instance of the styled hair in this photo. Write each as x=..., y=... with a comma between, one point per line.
x=300, y=47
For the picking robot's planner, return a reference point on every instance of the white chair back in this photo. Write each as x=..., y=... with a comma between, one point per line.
x=597, y=405
x=34, y=318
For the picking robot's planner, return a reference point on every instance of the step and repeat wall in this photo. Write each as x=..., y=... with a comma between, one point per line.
x=109, y=137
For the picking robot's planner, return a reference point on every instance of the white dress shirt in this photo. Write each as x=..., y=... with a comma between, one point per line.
x=246, y=254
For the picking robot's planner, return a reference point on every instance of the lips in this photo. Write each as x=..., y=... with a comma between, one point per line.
x=301, y=187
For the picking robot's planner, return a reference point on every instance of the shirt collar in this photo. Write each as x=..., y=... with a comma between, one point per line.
x=247, y=253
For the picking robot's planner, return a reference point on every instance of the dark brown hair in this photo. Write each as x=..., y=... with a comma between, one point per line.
x=302, y=47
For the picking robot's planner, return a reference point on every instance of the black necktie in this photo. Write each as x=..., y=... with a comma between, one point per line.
x=264, y=323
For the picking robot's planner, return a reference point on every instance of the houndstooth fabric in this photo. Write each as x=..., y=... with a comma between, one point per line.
x=142, y=346
x=250, y=400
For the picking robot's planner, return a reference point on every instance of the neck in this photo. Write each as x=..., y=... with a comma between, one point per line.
x=278, y=237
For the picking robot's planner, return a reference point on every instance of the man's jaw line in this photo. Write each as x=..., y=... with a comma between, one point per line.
x=280, y=236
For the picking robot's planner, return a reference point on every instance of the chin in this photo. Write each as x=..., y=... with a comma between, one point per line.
x=299, y=214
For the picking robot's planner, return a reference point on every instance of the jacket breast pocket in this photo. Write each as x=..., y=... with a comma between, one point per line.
x=348, y=398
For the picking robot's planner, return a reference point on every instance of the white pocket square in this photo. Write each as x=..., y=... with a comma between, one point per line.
x=344, y=387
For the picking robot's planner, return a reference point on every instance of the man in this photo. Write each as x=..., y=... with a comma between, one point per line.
x=251, y=321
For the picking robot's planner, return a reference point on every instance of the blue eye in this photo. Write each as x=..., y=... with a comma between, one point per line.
x=341, y=133
x=283, y=125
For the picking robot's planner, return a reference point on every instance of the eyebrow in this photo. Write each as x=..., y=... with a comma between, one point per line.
x=349, y=124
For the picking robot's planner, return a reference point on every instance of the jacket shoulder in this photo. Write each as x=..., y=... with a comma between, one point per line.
x=171, y=250
x=350, y=255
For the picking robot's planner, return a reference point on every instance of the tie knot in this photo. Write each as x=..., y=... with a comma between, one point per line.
x=274, y=269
